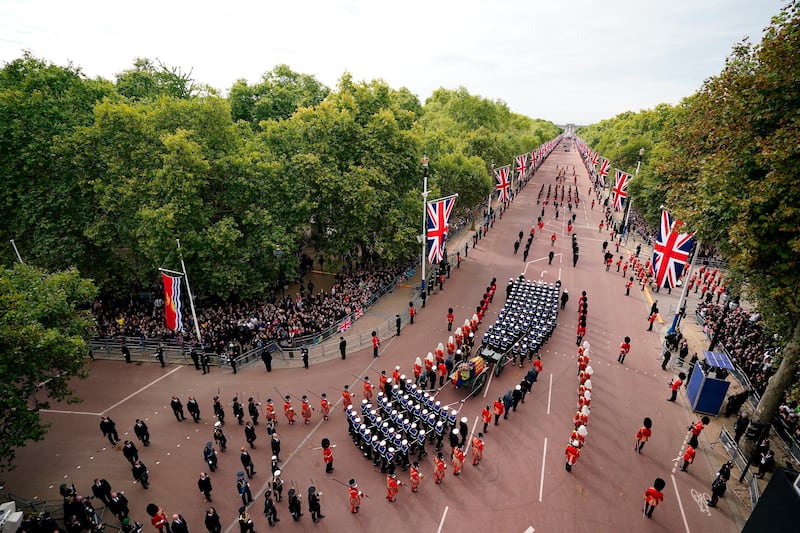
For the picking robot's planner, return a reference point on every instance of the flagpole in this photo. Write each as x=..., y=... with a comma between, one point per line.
x=425, y=192
x=19, y=257
x=189, y=290
x=627, y=216
x=676, y=320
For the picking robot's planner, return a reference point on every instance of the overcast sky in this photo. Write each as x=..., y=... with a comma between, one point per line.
x=576, y=61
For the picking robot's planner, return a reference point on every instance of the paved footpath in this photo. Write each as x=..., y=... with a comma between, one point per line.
x=521, y=482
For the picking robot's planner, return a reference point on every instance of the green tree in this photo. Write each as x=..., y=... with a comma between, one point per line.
x=732, y=173
x=44, y=208
x=279, y=94
x=150, y=79
x=44, y=325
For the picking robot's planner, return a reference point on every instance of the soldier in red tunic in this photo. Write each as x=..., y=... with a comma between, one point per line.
x=355, y=496
x=305, y=410
x=327, y=455
x=477, y=449
x=458, y=460
x=367, y=389
x=415, y=476
x=573, y=452
x=324, y=406
x=392, y=487
x=643, y=435
x=624, y=349
x=438, y=473
x=653, y=496
x=288, y=410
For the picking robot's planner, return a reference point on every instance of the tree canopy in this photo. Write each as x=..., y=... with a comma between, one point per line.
x=104, y=176
x=725, y=161
x=44, y=324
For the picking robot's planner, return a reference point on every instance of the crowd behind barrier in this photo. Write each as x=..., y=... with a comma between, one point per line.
x=752, y=354
x=233, y=328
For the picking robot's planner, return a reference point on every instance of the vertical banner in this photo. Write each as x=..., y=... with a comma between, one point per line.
x=172, y=302
x=438, y=226
x=503, y=184
x=620, y=190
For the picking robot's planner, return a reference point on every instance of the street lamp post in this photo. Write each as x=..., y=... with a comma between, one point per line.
x=639, y=162
x=425, y=192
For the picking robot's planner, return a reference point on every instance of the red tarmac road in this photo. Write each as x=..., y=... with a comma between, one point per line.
x=521, y=481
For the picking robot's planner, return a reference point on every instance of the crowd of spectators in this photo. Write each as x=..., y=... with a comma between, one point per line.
x=637, y=225
x=751, y=349
x=237, y=326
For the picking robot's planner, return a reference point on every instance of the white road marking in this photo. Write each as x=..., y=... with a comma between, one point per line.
x=549, y=393
x=59, y=411
x=541, y=480
x=486, y=389
x=680, y=503
x=441, y=522
x=700, y=498
x=128, y=397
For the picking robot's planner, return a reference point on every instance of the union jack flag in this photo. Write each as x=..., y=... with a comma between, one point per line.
x=620, y=191
x=503, y=183
x=359, y=312
x=595, y=158
x=671, y=251
x=345, y=325
x=522, y=165
x=438, y=219
x=603, y=172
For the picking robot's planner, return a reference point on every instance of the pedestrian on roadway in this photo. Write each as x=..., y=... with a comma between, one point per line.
x=247, y=463
x=343, y=347
x=177, y=409
x=250, y=434
x=212, y=522
x=194, y=409
x=109, y=429
x=204, y=484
